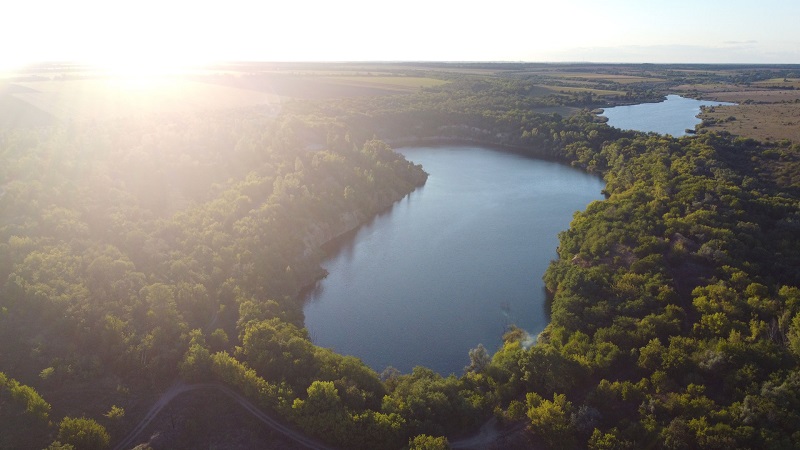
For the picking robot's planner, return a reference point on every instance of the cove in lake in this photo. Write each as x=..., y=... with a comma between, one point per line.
x=673, y=116
x=453, y=264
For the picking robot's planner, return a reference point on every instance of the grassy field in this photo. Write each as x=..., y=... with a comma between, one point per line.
x=782, y=83
x=612, y=78
x=767, y=110
x=573, y=89
x=397, y=83
x=754, y=95
x=764, y=122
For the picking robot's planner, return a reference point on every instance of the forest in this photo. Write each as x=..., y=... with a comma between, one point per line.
x=139, y=252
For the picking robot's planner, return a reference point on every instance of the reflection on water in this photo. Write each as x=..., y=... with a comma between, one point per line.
x=673, y=116
x=453, y=264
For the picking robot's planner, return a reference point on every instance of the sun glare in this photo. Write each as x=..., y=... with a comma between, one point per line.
x=138, y=74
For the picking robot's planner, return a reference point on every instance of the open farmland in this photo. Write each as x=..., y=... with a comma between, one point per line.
x=397, y=83
x=598, y=77
x=574, y=89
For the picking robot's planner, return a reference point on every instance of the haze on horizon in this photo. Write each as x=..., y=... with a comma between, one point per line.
x=158, y=34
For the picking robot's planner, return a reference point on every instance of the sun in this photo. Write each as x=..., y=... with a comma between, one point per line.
x=146, y=67
x=145, y=73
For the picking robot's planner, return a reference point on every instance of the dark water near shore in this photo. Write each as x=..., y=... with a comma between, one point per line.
x=672, y=116
x=451, y=265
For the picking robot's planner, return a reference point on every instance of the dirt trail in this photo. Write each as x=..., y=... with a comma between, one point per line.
x=181, y=387
x=487, y=435
x=490, y=435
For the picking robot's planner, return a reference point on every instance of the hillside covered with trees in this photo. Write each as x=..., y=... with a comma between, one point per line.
x=134, y=253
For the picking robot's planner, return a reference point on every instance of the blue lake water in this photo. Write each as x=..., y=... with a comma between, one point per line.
x=672, y=116
x=453, y=264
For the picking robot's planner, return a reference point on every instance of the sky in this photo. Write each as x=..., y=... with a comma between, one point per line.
x=162, y=33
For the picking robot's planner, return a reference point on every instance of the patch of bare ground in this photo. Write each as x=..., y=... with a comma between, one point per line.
x=494, y=436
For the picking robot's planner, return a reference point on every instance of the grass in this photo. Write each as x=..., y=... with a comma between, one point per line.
x=764, y=112
x=786, y=83
x=389, y=82
x=572, y=89
x=615, y=78
x=760, y=96
x=764, y=122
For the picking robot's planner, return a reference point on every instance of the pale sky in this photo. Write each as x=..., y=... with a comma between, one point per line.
x=175, y=32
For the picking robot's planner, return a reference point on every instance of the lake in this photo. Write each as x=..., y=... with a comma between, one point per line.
x=453, y=264
x=672, y=116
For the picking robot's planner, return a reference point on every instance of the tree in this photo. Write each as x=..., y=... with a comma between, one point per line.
x=426, y=442
x=83, y=433
x=323, y=414
x=26, y=395
x=115, y=413
x=794, y=335
x=279, y=351
x=479, y=359
x=550, y=420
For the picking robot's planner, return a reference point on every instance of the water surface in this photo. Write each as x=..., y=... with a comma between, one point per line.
x=673, y=116
x=451, y=265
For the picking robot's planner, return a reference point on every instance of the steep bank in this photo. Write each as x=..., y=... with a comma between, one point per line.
x=318, y=234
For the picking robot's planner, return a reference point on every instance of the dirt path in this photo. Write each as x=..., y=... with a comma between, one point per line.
x=490, y=435
x=486, y=436
x=181, y=387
